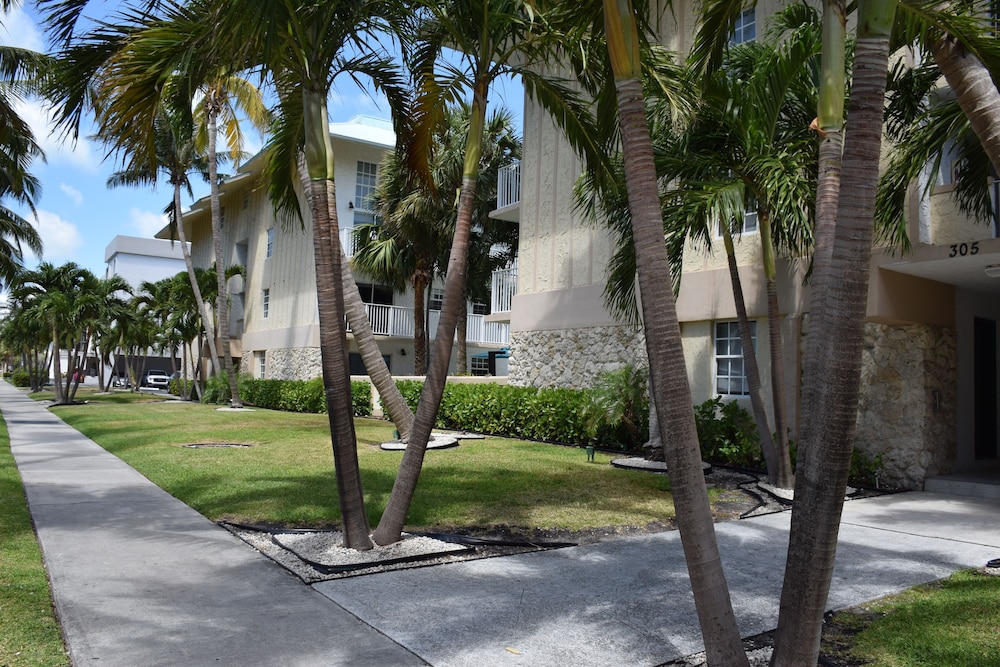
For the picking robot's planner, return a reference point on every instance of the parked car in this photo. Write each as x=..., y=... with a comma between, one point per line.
x=156, y=379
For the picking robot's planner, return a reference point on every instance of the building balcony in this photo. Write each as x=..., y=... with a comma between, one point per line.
x=502, y=293
x=508, y=193
x=397, y=322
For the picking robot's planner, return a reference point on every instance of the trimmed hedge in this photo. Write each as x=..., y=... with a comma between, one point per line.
x=20, y=379
x=301, y=395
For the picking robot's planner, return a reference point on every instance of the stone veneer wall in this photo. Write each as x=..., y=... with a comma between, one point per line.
x=907, y=408
x=292, y=363
x=572, y=358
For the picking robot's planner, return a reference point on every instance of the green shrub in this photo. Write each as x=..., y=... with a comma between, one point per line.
x=216, y=390
x=728, y=434
x=301, y=395
x=864, y=470
x=20, y=379
x=616, y=412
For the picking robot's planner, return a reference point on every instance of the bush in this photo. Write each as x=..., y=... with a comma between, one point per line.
x=20, y=379
x=301, y=395
x=216, y=390
x=617, y=408
x=728, y=434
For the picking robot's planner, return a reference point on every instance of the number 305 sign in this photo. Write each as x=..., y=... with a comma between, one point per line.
x=963, y=249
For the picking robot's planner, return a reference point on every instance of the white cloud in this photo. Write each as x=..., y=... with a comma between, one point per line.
x=146, y=223
x=19, y=30
x=75, y=195
x=78, y=154
x=60, y=238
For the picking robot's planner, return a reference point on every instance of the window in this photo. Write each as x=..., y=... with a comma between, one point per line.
x=480, y=309
x=261, y=364
x=745, y=29
x=479, y=365
x=437, y=299
x=266, y=303
x=951, y=164
x=270, y=241
x=364, y=187
x=730, y=374
x=749, y=224
x=378, y=294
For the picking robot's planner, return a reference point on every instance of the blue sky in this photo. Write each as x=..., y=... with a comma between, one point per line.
x=78, y=215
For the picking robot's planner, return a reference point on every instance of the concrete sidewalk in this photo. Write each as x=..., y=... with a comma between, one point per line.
x=141, y=579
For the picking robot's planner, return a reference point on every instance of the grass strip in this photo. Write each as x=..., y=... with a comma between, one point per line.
x=951, y=622
x=29, y=633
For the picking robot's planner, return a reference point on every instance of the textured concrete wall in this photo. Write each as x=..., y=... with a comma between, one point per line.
x=572, y=357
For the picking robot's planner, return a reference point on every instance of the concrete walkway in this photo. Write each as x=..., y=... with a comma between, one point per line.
x=141, y=579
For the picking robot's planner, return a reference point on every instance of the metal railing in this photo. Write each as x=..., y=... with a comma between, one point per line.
x=503, y=289
x=509, y=185
x=397, y=322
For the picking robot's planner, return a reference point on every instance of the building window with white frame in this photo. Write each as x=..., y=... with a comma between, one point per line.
x=745, y=29
x=749, y=224
x=437, y=299
x=479, y=365
x=364, y=186
x=730, y=370
x=270, y=241
x=261, y=364
x=266, y=303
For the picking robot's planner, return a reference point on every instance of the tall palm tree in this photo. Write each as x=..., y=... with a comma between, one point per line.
x=222, y=95
x=494, y=37
x=169, y=150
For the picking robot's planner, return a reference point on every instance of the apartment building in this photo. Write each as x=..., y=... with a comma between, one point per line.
x=929, y=403
x=275, y=317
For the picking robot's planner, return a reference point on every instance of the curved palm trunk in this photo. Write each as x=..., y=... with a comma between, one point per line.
x=668, y=371
x=332, y=327
x=390, y=527
x=825, y=450
x=56, y=366
x=782, y=475
x=222, y=300
x=975, y=91
x=378, y=372
x=750, y=363
x=203, y=312
x=357, y=315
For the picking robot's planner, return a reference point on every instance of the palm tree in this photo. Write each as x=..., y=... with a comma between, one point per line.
x=494, y=37
x=20, y=75
x=223, y=94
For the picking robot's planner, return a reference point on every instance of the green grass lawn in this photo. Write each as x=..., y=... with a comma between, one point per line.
x=29, y=634
x=951, y=622
x=286, y=476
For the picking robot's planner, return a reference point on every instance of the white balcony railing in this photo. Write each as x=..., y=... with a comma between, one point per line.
x=504, y=288
x=347, y=240
x=397, y=322
x=509, y=185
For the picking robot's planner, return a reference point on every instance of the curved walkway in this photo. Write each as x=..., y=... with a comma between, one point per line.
x=141, y=579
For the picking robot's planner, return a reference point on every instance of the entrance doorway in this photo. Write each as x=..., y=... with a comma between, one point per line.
x=985, y=381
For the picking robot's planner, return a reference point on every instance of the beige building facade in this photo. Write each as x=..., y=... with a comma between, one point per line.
x=929, y=401
x=275, y=316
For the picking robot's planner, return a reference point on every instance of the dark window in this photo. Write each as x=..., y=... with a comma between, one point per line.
x=379, y=294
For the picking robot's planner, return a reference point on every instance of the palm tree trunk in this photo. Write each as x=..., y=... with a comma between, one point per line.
x=332, y=326
x=830, y=127
x=668, y=371
x=378, y=372
x=825, y=449
x=357, y=315
x=975, y=91
x=783, y=464
x=420, y=322
x=56, y=366
x=193, y=277
x=750, y=363
x=222, y=300
x=390, y=527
